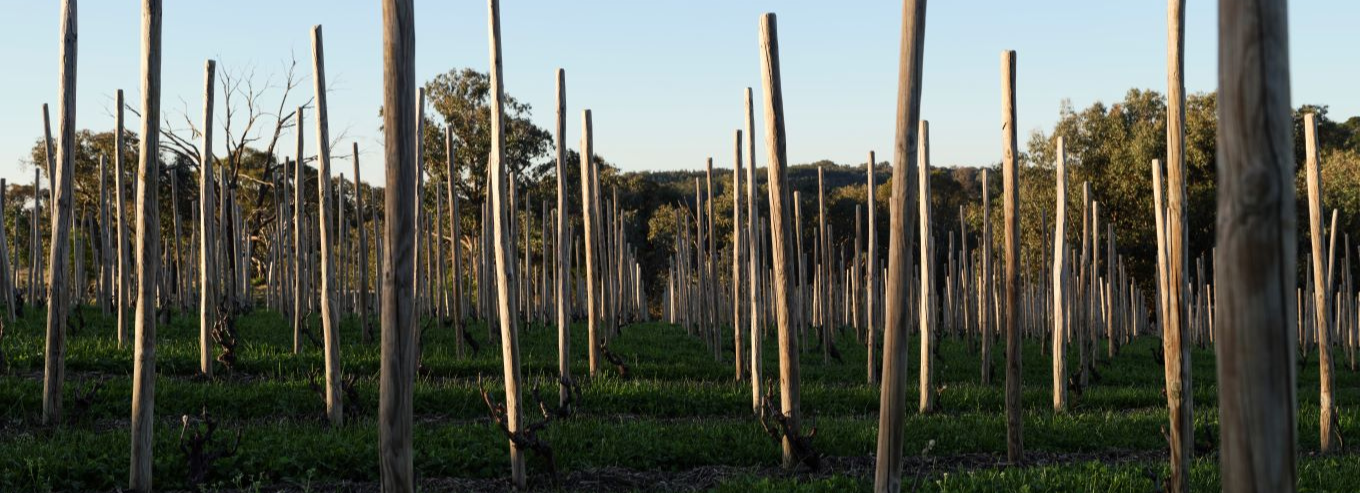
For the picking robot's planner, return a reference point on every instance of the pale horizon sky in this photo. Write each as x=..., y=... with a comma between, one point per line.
x=664, y=79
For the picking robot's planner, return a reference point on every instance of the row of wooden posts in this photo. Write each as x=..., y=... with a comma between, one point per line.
x=1248, y=311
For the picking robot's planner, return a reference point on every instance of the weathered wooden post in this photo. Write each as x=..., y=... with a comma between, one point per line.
x=754, y=273
x=361, y=298
x=6, y=271
x=58, y=294
x=775, y=146
x=589, y=220
x=986, y=305
x=1255, y=267
x=207, y=250
x=1015, y=450
x=505, y=269
x=1322, y=286
x=105, y=259
x=738, y=261
x=824, y=280
x=896, y=348
x=1176, y=349
x=561, y=242
x=927, y=293
x=148, y=244
x=330, y=322
x=1060, y=276
x=123, y=290
x=302, y=277
x=397, y=373
x=871, y=280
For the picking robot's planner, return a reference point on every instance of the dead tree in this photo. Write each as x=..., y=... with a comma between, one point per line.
x=148, y=245
x=1255, y=265
x=896, y=348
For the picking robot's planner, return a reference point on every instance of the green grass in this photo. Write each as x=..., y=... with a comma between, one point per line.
x=679, y=411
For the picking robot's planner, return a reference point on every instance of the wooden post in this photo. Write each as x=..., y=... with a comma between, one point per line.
x=754, y=274
x=1060, y=276
x=589, y=219
x=1176, y=349
x=986, y=312
x=330, y=322
x=207, y=252
x=456, y=236
x=6, y=272
x=121, y=297
x=927, y=293
x=1255, y=267
x=302, y=277
x=824, y=284
x=505, y=269
x=361, y=298
x=1015, y=451
x=105, y=259
x=397, y=373
x=58, y=294
x=871, y=280
x=738, y=261
x=780, y=229
x=561, y=242
x=148, y=242
x=892, y=396
x=1322, y=286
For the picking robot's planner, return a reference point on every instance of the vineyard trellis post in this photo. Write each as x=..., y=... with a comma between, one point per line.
x=148, y=245
x=896, y=322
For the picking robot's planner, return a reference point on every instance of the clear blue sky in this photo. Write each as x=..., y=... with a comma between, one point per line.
x=664, y=78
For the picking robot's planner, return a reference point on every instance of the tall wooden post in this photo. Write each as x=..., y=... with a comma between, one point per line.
x=738, y=262
x=590, y=221
x=986, y=310
x=207, y=250
x=754, y=273
x=330, y=322
x=1176, y=349
x=361, y=297
x=302, y=277
x=896, y=347
x=505, y=268
x=824, y=280
x=1015, y=450
x=562, y=239
x=58, y=294
x=1060, y=276
x=7, y=274
x=123, y=290
x=1255, y=266
x=780, y=229
x=871, y=279
x=926, y=295
x=105, y=259
x=148, y=245
x=456, y=243
x=1322, y=286
x=397, y=370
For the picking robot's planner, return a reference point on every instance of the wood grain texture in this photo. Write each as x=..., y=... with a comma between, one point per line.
x=926, y=294
x=1060, y=280
x=754, y=273
x=1322, y=286
x=1255, y=274
x=561, y=242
